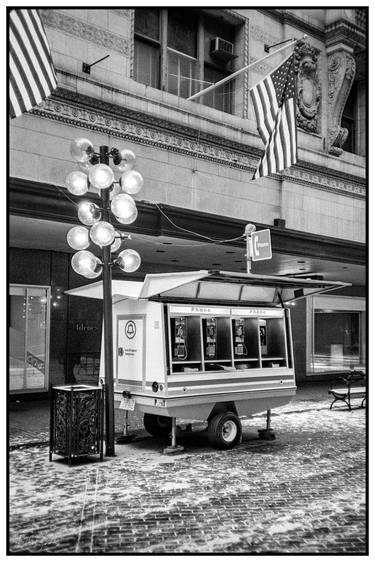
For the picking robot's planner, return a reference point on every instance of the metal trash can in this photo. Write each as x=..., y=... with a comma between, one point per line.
x=76, y=421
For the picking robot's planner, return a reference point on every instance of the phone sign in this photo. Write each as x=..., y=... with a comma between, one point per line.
x=261, y=248
x=130, y=329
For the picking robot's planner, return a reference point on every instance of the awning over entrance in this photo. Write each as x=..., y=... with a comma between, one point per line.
x=211, y=286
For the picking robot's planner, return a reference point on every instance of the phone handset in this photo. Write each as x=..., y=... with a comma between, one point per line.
x=210, y=343
x=263, y=336
x=239, y=337
x=180, y=347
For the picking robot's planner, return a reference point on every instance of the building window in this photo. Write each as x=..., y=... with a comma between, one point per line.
x=29, y=316
x=174, y=51
x=221, y=97
x=147, y=47
x=336, y=340
x=354, y=119
x=348, y=120
x=336, y=334
x=183, y=31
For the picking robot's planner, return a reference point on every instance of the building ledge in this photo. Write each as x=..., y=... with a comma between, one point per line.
x=49, y=202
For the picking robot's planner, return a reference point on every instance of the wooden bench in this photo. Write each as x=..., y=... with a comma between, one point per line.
x=354, y=387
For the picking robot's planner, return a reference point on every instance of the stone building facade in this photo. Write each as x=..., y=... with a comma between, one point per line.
x=197, y=159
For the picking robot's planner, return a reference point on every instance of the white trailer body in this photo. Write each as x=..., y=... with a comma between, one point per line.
x=189, y=345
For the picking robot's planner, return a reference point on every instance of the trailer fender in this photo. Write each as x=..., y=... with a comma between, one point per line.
x=221, y=408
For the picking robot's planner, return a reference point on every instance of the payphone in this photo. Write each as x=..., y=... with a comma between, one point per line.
x=239, y=337
x=210, y=336
x=180, y=337
x=263, y=336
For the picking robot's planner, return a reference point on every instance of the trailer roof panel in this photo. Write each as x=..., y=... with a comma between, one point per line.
x=229, y=286
x=120, y=289
x=206, y=285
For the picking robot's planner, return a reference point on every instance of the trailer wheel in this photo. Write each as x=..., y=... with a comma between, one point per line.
x=158, y=426
x=224, y=430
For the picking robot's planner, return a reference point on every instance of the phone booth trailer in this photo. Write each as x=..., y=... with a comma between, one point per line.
x=207, y=346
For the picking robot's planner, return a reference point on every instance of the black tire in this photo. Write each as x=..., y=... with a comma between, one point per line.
x=224, y=430
x=158, y=426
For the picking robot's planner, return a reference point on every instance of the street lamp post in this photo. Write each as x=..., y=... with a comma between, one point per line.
x=107, y=324
x=116, y=197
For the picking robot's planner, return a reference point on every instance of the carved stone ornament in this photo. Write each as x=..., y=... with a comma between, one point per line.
x=341, y=71
x=307, y=84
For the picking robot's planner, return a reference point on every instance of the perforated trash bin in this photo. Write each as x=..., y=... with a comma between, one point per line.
x=76, y=421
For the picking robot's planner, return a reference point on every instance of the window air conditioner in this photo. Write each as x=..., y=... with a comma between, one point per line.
x=221, y=49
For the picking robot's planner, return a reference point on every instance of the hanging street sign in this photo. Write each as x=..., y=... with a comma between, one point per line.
x=261, y=248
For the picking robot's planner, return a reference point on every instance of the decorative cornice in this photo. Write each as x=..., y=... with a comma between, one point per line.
x=345, y=32
x=139, y=128
x=301, y=175
x=77, y=28
x=175, y=138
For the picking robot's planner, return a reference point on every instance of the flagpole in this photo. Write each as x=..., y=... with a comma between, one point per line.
x=231, y=76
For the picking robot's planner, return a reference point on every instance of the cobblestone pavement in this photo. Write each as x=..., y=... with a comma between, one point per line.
x=302, y=493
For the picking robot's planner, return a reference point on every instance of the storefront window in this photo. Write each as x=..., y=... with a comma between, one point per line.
x=336, y=340
x=28, y=338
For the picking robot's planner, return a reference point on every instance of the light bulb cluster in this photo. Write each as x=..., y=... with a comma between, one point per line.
x=102, y=233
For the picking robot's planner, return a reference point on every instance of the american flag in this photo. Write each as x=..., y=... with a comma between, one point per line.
x=274, y=104
x=32, y=76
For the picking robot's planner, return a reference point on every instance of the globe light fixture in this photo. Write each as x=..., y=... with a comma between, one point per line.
x=123, y=206
x=127, y=160
x=115, y=196
x=131, y=182
x=101, y=176
x=81, y=150
x=78, y=238
x=116, y=243
x=89, y=213
x=87, y=264
x=102, y=233
x=129, y=219
x=76, y=183
x=129, y=260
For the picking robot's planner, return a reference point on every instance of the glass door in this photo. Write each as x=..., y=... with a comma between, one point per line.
x=29, y=338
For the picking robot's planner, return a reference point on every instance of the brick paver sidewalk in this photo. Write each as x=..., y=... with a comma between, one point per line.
x=304, y=493
x=29, y=420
